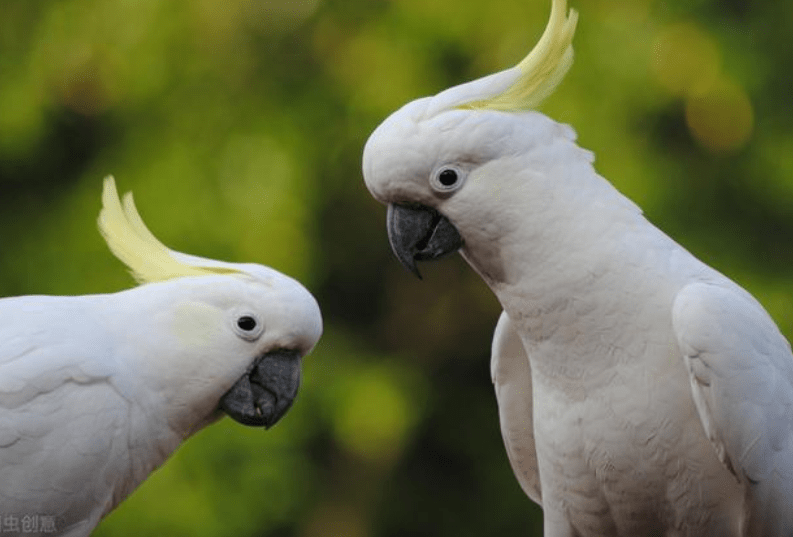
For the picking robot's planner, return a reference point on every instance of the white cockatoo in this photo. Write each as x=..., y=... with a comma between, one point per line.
x=97, y=391
x=640, y=392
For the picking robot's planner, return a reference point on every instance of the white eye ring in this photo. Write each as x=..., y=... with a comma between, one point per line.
x=247, y=325
x=447, y=179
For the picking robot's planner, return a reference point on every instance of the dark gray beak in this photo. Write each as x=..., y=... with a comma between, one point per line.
x=264, y=394
x=419, y=233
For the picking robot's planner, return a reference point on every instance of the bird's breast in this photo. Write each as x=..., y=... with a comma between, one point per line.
x=624, y=453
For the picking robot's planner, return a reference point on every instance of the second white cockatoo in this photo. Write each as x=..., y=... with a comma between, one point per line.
x=640, y=391
x=97, y=391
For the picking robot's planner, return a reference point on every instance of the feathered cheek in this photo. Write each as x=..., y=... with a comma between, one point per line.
x=196, y=324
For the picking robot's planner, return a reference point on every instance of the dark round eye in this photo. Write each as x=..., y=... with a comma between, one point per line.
x=246, y=323
x=448, y=177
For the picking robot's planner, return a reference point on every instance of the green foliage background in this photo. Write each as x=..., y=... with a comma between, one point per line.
x=239, y=126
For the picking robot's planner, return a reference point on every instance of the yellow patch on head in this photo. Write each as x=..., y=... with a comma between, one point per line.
x=542, y=69
x=133, y=244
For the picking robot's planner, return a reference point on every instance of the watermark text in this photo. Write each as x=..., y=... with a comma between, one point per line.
x=27, y=523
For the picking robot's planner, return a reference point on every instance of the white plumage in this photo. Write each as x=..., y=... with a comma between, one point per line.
x=640, y=391
x=97, y=391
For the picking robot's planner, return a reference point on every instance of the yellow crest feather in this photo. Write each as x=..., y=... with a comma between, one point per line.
x=542, y=69
x=133, y=244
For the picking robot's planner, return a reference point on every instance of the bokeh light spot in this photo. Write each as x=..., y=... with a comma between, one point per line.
x=375, y=416
x=721, y=119
x=335, y=519
x=685, y=59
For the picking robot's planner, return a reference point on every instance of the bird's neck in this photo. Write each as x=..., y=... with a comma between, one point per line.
x=572, y=262
x=162, y=365
x=555, y=227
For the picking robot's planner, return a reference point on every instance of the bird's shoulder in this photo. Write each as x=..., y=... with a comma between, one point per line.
x=47, y=341
x=55, y=396
x=741, y=372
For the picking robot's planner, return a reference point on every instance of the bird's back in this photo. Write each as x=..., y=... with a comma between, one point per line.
x=55, y=393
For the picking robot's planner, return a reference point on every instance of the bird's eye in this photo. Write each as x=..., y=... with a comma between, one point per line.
x=248, y=326
x=246, y=323
x=446, y=179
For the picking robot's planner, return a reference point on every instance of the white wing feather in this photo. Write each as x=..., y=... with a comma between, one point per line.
x=54, y=395
x=741, y=372
x=509, y=366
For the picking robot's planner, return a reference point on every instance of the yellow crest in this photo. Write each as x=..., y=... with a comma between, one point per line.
x=130, y=240
x=542, y=69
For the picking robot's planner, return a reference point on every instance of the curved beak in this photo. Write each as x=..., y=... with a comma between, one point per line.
x=263, y=395
x=420, y=233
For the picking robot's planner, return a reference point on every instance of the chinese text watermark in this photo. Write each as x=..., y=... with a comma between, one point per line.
x=28, y=523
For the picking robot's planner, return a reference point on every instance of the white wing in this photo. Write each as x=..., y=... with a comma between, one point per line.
x=741, y=372
x=509, y=366
x=61, y=422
